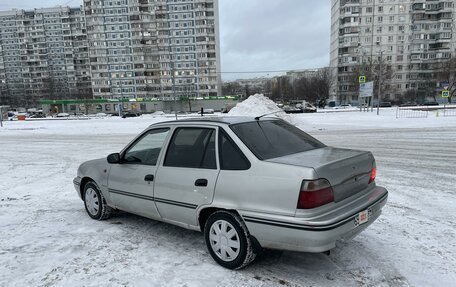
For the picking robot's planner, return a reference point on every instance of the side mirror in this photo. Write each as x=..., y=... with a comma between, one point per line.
x=114, y=158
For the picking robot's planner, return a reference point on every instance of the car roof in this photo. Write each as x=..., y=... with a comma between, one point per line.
x=219, y=120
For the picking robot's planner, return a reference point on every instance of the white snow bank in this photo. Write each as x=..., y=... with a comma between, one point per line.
x=258, y=105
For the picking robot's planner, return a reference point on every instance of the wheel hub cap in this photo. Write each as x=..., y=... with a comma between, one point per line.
x=92, y=202
x=224, y=240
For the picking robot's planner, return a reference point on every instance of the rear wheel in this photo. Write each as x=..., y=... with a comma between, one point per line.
x=95, y=203
x=228, y=240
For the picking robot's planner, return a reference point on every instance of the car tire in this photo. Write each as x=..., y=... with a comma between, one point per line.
x=228, y=240
x=95, y=203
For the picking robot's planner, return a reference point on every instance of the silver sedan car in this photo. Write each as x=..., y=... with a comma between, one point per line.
x=246, y=183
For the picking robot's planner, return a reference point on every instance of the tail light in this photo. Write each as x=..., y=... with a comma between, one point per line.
x=373, y=173
x=315, y=193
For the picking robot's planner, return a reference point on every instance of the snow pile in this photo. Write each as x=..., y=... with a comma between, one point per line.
x=258, y=105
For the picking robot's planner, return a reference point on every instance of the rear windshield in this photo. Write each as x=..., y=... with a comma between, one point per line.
x=274, y=138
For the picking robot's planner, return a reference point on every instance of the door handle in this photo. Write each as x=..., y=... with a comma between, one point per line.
x=201, y=182
x=149, y=177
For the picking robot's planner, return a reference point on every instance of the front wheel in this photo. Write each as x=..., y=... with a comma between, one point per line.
x=228, y=240
x=95, y=203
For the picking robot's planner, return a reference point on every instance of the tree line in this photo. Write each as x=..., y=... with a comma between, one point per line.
x=313, y=88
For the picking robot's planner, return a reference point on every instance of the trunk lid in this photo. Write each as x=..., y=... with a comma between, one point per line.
x=348, y=171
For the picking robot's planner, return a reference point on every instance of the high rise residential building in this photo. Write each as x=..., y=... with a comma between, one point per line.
x=414, y=38
x=43, y=54
x=306, y=73
x=153, y=48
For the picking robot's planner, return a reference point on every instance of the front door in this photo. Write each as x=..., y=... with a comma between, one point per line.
x=131, y=183
x=188, y=176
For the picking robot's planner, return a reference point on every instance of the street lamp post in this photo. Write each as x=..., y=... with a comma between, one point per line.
x=174, y=89
x=1, y=115
x=361, y=72
x=379, y=82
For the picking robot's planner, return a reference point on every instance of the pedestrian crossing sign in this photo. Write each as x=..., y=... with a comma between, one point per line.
x=362, y=79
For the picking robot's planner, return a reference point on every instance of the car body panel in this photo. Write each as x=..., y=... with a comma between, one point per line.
x=130, y=192
x=265, y=187
x=176, y=195
x=347, y=170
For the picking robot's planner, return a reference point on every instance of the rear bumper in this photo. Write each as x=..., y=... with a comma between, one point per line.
x=299, y=234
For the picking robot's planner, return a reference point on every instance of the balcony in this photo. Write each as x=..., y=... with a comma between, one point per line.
x=349, y=24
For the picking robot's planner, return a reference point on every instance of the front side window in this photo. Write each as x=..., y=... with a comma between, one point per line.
x=192, y=148
x=147, y=148
x=274, y=138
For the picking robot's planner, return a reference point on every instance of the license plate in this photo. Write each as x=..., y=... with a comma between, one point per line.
x=362, y=217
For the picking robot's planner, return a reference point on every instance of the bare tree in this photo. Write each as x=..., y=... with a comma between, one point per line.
x=408, y=96
x=448, y=74
x=232, y=89
x=371, y=70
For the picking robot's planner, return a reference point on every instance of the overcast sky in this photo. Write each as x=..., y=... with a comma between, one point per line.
x=256, y=35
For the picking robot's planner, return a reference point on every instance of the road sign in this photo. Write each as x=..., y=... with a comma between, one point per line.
x=444, y=85
x=445, y=94
x=362, y=79
x=366, y=90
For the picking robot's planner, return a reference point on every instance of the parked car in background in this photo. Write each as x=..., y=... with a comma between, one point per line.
x=331, y=104
x=246, y=183
x=408, y=104
x=38, y=115
x=62, y=115
x=296, y=107
x=130, y=115
x=208, y=111
x=385, y=104
x=307, y=107
x=430, y=103
x=343, y=106
x=289, y=109
x=12, y=115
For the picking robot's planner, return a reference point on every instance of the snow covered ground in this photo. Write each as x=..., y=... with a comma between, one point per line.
x=47, y=239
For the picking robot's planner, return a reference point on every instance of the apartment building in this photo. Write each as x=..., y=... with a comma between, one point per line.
x=43, y=54
x=153, y=48
x=305, y=73
x=413, y=37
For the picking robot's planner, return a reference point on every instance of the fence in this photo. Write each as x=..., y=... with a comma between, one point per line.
x=423, y=112
x=411, y=112
x=449, y=111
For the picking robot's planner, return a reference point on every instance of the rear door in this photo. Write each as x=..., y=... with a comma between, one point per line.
x=188, y=175
x=131, y=183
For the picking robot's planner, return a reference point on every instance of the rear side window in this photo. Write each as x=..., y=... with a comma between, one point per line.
x=274, y=138
x=231, y=157
x=192, y=148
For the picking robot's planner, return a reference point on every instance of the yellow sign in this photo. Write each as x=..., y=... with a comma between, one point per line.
x=445, y=94
x=362, y=79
